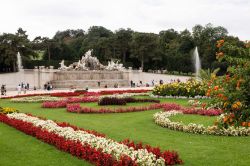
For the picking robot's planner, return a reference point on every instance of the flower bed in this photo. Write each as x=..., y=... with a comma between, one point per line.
x=199, y=111
x=54, y=104
x=25, y=95
x=63, y=103
x=205, y=112
x=122, y=100
x=8, y=110
x=76, y=108
x=33, y=99
x=162, y=119
x=111, y=92
x=112, y=101
x=82, y=99
x=191, y=88
x=66, y=94
x=85, y=145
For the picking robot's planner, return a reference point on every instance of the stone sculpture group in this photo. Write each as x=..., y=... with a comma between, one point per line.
x=89, y=62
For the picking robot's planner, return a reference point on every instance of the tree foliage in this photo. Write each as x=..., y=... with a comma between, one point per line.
x=168, y=50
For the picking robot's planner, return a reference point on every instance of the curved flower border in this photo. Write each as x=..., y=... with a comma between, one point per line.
x=162, y=119
x=89, y=145
x=76, y=108
x=33, y=99
x=179, y=97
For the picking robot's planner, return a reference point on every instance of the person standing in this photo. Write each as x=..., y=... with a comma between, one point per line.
x=24, y=89
x=3, y=90
x=19, y=89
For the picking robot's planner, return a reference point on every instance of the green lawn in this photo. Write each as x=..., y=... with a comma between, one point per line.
x=19, y=149
x=138, y=126
x=198, y=119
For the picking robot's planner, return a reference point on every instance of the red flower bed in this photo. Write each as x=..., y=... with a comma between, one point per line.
x=82, y=99
x=85, y=151
x=171, y=106
x=63, y=103
x=78, y=109
x=92, y=94
x=204, y=112
x=170, y=157
x=54, y=104
x=209, y=112
x=66, y=94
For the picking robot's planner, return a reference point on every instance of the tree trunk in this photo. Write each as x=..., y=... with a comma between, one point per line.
x=14, y=67
x=124, y=57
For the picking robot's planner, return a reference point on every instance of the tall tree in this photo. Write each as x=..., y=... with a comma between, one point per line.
x=99, y=39
x=205, y=39
x=10, y=45
x=123, y=38
x=144, y=46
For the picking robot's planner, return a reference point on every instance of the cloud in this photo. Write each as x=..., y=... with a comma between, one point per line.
x=47, y=16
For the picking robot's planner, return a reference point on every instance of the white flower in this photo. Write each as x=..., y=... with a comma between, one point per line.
x=141, y=156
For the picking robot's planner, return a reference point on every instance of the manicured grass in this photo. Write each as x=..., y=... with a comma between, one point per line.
x=198, y=119
x=139, y=126
x=17, y=148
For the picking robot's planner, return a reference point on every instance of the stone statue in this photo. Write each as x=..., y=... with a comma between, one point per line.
x=89, y=62
x=62, y=66
x=114, y=66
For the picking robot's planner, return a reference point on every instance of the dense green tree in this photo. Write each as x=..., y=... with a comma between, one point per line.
x=10, y=45
x=144, y=46
x=205, y=39
x=122, y=40
x=170, y=49
x=99, y=39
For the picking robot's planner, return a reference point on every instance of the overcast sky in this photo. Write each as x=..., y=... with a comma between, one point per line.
x=45, y=17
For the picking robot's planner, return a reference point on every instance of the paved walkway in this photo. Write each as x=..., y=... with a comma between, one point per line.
x=13, y=93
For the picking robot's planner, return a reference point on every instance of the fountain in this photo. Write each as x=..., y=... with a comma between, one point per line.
x=89, y=62
x=88, y=71
x=197, y=63
x=19, y=62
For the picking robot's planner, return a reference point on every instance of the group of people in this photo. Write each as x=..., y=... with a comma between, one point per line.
x=140, y=84
x=23, y=87
x=3, y=90
x=48, y=86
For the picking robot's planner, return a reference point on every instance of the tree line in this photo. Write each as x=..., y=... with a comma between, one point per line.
x=168, y=50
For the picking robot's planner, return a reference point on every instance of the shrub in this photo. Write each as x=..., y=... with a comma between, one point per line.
x=191, y=88
x=112, y=101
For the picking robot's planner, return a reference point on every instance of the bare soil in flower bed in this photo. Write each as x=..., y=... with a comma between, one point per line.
x=194, y=149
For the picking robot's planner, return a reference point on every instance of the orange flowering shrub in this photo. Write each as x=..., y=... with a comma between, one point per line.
x=231, y=92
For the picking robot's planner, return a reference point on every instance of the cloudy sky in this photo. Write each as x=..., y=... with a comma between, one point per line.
x=45, y=17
